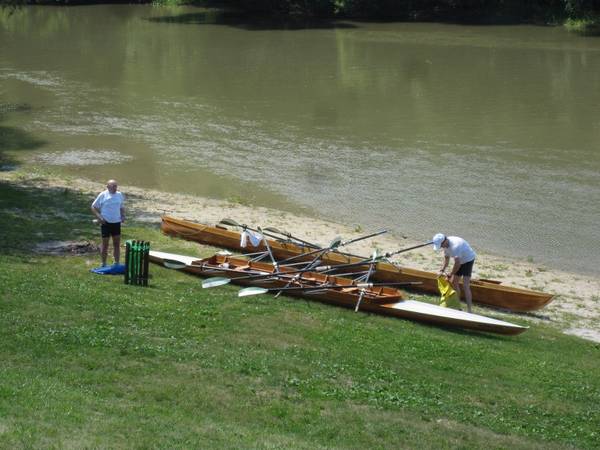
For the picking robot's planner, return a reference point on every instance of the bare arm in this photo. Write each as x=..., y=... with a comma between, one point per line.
x=96, y=213
x=122, y=214
x=446, y=261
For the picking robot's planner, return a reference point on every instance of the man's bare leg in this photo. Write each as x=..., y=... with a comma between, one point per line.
x=468, y=296
x=117, y=248
x=104, y=250
x=456, y=284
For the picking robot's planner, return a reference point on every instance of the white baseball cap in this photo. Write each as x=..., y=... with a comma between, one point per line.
x=437, y=241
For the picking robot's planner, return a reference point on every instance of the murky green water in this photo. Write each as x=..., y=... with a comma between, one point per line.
x=491, y=133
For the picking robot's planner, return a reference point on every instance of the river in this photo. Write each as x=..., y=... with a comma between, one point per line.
x=487, y=132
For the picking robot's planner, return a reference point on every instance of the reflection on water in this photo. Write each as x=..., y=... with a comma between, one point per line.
x=487, y=132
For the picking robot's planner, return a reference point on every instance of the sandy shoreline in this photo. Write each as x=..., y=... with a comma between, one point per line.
x=574, y=310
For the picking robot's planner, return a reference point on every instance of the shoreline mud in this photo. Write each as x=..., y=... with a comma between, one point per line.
x=574, y=310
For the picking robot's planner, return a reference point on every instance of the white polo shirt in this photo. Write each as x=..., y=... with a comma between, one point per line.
x=459, y=248
x=109, y=205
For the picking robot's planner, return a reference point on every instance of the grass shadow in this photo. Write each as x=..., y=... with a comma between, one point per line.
x=30, y=215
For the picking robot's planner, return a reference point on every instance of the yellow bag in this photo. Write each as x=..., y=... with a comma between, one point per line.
x=449, y=298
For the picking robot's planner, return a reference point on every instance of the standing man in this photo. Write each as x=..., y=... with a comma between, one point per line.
x=110, y=212
x=464, y=257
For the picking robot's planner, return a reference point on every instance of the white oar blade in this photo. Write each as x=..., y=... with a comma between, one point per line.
x=173, y=264
x=252, y=291
x=215, y=281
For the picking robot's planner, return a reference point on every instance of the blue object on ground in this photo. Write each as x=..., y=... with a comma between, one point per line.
x=115, y=269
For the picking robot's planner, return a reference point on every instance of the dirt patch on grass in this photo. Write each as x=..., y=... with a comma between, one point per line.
x=66, y=248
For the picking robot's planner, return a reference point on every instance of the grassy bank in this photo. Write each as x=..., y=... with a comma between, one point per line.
x=577, y=15
x=588, y=26
x=90, y=362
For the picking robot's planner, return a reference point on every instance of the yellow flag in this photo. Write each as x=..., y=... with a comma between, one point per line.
x=449, y=298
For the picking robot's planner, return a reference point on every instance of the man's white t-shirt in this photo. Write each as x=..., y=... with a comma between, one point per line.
x=459, y=248
x=109, y=205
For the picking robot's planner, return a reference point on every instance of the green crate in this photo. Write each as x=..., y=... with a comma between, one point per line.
x=137, y=262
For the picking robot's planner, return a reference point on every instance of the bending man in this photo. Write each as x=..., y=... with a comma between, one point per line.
x=464, y=257
x=109, y=210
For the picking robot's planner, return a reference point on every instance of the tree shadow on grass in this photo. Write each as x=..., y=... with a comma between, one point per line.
x=251, y=22
x=30, y=215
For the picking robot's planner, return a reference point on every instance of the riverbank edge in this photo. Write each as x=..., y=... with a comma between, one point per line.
x=574, y=18
x=575, y=309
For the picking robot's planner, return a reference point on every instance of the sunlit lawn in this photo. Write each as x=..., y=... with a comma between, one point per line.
x=88, y=362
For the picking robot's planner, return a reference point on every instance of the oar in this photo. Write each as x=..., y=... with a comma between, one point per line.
x=233, y=223
x=291, y=236
x=362, y=238
x=275, y=265
x=388, y=255
x=338, y=243
x=268, y=230
x=334, y=244
x=222, y=281
x=362, y=292
x=174, y=264
x=366, y=261
x=219, y=281
x=255, y=290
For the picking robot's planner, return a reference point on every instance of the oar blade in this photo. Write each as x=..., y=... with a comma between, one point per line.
x=230, y=222
x=215, y=282
x=275, y=230
x=336, y=242
x=174, y=264
x=252, y=291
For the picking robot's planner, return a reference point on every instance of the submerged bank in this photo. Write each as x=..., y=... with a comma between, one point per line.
x=575, y=309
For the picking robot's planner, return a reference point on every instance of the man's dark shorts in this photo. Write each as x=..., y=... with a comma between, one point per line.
x=465, y=269
x=110, y=229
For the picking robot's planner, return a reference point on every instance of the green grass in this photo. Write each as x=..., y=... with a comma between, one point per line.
x=88, y=362
x=586, y=26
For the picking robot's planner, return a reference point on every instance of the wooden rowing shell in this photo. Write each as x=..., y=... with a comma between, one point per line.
x=486, y=292
x=380, y=300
